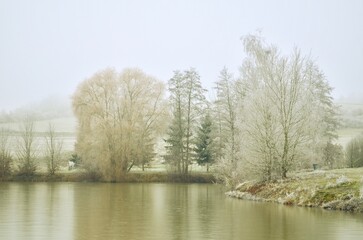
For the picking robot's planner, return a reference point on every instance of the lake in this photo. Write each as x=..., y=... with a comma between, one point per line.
x=158, y=211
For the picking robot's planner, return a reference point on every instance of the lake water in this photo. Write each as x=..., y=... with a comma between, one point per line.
x=158, y=211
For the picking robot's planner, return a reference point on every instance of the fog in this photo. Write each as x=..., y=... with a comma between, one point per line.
x=48, y=47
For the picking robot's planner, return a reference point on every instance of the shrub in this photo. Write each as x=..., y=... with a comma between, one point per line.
x=5, y=164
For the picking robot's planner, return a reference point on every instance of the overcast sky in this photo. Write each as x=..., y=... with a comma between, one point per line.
x=49, y=47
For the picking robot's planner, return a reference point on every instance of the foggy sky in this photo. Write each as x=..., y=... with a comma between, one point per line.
x=48, y=47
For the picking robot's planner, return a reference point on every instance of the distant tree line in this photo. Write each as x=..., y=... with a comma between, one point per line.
x=22, y=152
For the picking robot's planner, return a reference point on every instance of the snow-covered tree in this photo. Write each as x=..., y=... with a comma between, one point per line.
x=225, y=114
x=286, y=104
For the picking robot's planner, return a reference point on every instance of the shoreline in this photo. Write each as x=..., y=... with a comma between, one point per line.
x=340, y=189
x=132, y=177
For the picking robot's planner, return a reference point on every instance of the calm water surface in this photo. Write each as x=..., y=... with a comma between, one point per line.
x=158, y=211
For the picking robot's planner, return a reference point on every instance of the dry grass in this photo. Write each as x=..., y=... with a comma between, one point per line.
x=340, y=189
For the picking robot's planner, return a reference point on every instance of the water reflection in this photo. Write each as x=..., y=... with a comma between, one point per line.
x=157, y=211
x=36, y=211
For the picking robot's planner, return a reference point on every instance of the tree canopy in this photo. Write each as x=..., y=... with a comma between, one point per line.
x=287, y=107
x=119, y=116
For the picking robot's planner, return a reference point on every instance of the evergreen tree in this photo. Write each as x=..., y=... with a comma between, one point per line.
x=187, y=102
x=175, y=146
x=204, y=143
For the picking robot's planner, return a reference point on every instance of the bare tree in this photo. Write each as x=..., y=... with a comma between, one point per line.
x=53, y=149
x=5, y=155
x=119, y=117
x=27, y=148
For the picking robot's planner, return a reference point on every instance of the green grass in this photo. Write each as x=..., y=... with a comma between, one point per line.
x=342, y=191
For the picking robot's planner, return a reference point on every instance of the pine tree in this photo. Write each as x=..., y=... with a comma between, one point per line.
x=204, y=143
x=187, y=102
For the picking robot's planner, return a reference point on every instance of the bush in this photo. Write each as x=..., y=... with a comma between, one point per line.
x=27, y=169
x=333, y=155
x=5, y=164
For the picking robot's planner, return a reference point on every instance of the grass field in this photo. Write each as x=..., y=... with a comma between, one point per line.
x=346, y=134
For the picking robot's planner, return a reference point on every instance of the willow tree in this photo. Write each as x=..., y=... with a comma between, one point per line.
x=286, y=107
x=119, y=116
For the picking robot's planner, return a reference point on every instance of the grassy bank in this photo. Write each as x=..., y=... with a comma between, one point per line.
x=132, y=177
x=340, y=189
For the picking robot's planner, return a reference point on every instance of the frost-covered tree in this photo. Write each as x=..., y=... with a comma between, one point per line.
x=285, y=107
x=225, y=114
x=119, y=116
x=187, y=102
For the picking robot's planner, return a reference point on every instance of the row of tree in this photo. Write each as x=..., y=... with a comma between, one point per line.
x=276, y=116
x=27, y=153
